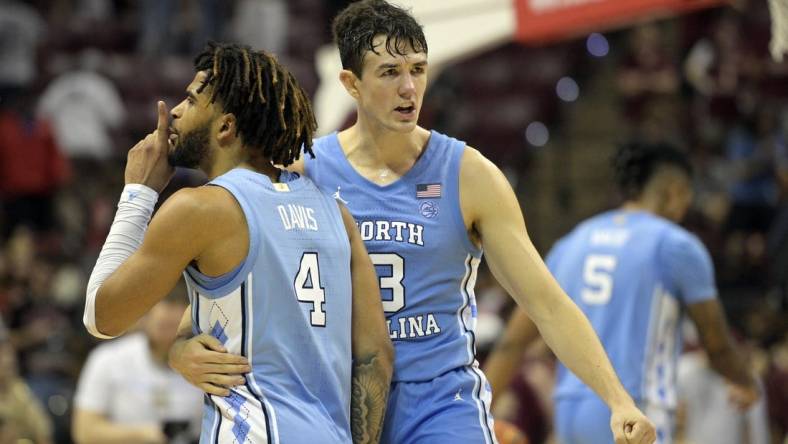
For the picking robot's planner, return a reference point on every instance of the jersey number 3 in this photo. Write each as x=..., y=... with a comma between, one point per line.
x=309, y=289
x=396, y=266
x=598, y=279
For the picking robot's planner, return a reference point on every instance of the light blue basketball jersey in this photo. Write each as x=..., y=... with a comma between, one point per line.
x=631, y=273
x=416, y=237
x=287, y=308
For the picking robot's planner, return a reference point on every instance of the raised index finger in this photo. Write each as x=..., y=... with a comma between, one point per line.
x=163, y=122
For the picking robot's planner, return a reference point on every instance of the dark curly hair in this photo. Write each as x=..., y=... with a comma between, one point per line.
x=356, y=27
x=273, y=113
x=634, y=164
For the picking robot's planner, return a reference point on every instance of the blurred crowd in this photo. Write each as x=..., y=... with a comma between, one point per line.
x=78, y=84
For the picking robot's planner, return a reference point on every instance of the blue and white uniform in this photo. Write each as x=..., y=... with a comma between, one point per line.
x=631, y=273
x=287, y=308
x=415, y=234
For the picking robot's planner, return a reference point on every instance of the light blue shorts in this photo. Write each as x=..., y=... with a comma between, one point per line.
x=453, y=408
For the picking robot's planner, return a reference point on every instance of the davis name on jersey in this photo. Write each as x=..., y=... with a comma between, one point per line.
x=297, y=217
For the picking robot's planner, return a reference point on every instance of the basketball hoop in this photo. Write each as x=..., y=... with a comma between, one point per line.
x=779, y=44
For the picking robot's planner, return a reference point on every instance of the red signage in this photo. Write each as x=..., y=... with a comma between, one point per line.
x=546, y=20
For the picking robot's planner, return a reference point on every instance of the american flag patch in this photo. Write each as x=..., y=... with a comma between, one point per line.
x=428, y=190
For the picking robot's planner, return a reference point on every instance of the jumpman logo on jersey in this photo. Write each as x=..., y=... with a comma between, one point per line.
x=338, y=197
x=457, y=396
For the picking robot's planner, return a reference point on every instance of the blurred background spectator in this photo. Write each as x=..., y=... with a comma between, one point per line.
x=705, y=412
x=127, y=393
x=22, y=418
x=79, y=80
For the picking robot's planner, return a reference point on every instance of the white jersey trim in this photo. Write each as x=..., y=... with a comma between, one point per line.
x=483, y=399
x=465, y=316
x=658, y=385
x=219, y=318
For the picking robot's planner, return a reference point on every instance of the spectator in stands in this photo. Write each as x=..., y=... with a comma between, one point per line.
x=261, y=24
x=84, y=108
x=31, y=166
x=778, y=235
x=169, y=26
x=21, y=31
x=753, y=191
x=709, y=415
x=777, y=390
x=647, y=72
x=127, y=392
x=22, y=419
x=717, y=68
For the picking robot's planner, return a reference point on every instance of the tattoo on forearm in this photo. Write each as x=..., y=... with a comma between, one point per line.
x=370, y=389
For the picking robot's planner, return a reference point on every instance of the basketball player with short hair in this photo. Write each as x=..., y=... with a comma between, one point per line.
x=276, y=270
x=634, y=272
x=426, y=205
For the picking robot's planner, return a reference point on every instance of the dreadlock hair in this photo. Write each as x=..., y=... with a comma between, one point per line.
x=356, y=27
x=634, y=164
x=273, y=114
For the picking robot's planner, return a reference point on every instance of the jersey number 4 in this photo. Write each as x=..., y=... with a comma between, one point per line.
x=598, y=279
x=309, y=289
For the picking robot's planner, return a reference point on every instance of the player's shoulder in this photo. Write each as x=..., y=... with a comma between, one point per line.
x=679, y=244
x=475, y=167
x=676, y=234
x=473, y=156
x=206, y=213
x=207, y=202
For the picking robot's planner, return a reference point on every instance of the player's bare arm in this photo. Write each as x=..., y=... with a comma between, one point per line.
x=373, y=353
x=504, y=361
x=493, y=217
x=185, y=229
x=204, y=225
x=709, y=319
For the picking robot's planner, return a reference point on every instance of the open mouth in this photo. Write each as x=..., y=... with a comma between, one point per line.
x=405, y=109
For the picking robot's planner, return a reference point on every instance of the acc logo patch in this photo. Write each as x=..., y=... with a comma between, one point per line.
x=428, y=209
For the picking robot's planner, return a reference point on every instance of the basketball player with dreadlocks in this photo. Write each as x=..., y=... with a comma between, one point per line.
x=634, y=272
x=276, y=270
x=427, y=205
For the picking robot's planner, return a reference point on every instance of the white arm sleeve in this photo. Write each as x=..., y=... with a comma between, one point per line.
x=125, y=237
